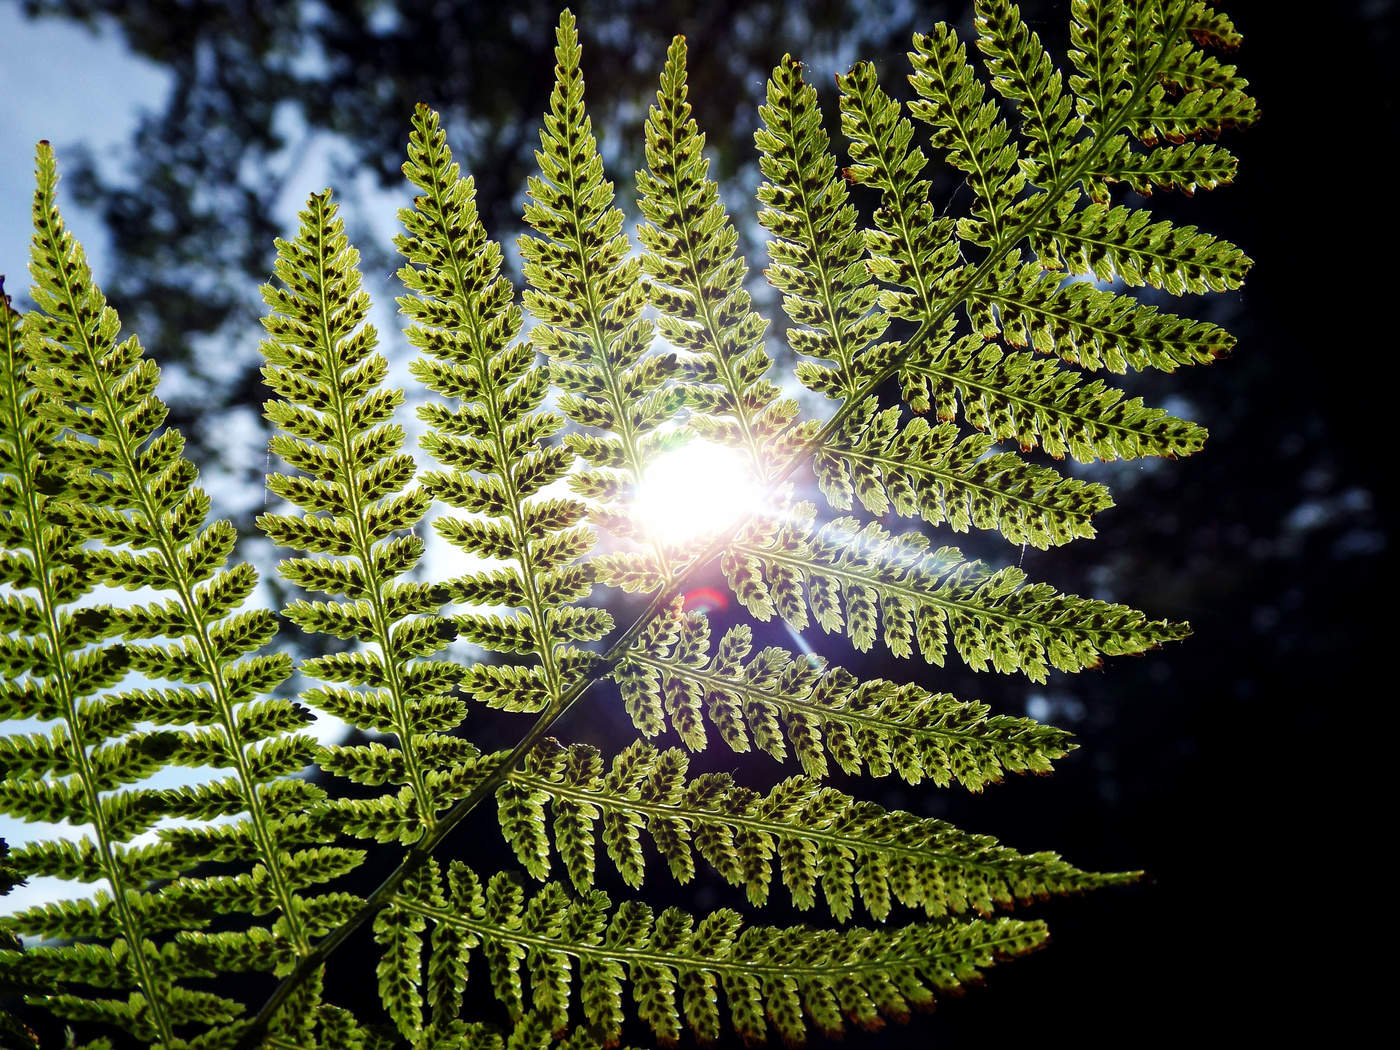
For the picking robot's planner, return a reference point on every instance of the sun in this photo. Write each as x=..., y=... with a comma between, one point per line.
x=694, y=490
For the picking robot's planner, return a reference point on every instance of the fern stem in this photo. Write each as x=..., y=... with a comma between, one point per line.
x=640, y=957
x=420, y=852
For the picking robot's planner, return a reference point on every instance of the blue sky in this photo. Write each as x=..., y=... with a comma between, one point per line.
x=66, y=84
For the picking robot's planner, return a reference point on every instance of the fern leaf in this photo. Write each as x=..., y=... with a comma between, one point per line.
x=1183, y=166
x=696, y=280
x=676, y=967
x=1024, y=73
x=125, y=490
x=1033, y=402
x=967, y=124
x=399, y=932
x=1189, y=93
x=858, y=577
x=923, y=470
x=493, y=444
x=1013, y=395
x=817, y=837
x=1099, y=51
x=1122, y=244
x=909, y=248
x=1118, y=56
x=1086, y=326
x=998, y=327
x=587, y=293
x=355, y=495
x=1198, y=94
x=816, y=247
x=775, y=700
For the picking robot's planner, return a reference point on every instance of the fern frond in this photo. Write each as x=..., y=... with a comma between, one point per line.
x=923, y=470
x=1120, y=57
x=44, y=680
x=676, y=967
x=857, y=577
x=1123, y=244
x=1087, y=326
x=819, y=837
x=124, y=489
x=359, y=507
x=1099, y=51
x=910, y=247
x=1034, y=402
x=493, y=446
x=817, y=249
x=1023, y=72
x=587, y=294
x=697, y=281
x=967, y=124
x=772, y=700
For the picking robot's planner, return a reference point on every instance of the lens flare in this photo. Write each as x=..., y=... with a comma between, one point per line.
x=694, y=490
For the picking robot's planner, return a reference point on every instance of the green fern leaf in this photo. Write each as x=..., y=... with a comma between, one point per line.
x=822, y=711
x=675, y=966
x=966, y=123
x=587, y=294
x=926, y=471
x=818, y=837
x=465, y=327
x=1086, y=326
x=697, y=281
x=1121, y=244
x=816, y=247
x=858, y=578
x=355, y=494
x=110, y=481
x=1024, y=73
x=1030, y=400
x=981, y=311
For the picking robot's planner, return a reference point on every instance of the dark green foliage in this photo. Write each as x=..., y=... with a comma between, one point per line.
x=982, y=310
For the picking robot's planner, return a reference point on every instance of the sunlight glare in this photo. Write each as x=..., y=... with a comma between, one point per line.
x=694, y=490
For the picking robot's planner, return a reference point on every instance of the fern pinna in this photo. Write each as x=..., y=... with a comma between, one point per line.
x=945, y=351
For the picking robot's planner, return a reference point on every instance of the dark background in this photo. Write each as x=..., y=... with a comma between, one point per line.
x=1239, y=768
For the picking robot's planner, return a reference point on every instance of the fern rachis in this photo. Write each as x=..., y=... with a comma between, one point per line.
x=967, y=308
